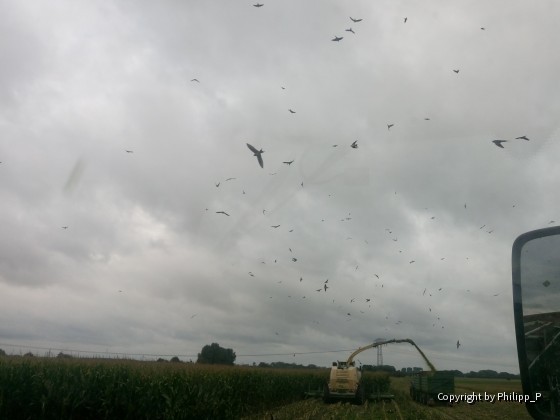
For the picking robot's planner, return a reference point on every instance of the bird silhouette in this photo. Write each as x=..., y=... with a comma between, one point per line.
x=337, y=38
x=64, y=227
x=405, y=19
x=293, y=112
x=389, y=126
x=289, y=163
x=456, y=71
x=222, y=212
x=258, y=5
x=458, y=344
x=229, y=179
x=355, y=20
x=522, y=138
x=276, y=226
x=195, y=80
x=129, y=151
x=217, y=185
x=499, y=143
x=354, y=145
x=257, y=153
x=350, y=30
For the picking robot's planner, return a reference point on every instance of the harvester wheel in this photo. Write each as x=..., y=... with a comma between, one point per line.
x=326, y=394
x=360, y=395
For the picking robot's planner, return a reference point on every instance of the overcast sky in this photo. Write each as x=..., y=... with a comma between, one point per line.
x=419, y=218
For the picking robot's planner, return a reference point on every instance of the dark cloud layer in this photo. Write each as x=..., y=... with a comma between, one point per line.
x=146, y=264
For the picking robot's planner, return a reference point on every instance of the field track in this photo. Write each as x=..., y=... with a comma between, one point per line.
x=403, y=408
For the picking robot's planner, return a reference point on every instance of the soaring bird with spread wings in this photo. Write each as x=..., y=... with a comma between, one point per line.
x=499, y=143
x=257, y=153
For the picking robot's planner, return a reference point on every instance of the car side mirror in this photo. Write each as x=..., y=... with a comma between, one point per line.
x=536, y=309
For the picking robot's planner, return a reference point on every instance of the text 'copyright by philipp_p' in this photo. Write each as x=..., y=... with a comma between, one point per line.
x=474, y=397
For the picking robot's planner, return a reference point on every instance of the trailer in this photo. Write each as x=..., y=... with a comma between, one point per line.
x=425, y=387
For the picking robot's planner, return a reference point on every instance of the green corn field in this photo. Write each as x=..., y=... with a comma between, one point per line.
x=116, y=389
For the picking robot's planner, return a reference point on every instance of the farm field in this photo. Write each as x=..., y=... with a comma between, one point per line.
x=106, y=389
x=402, y=407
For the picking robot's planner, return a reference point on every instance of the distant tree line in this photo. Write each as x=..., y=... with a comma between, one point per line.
x=215, y=354
x=283, y=365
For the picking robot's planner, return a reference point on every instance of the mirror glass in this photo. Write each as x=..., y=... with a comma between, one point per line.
x=536, y=287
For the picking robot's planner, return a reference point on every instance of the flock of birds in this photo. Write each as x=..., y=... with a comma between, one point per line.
x=258, y=153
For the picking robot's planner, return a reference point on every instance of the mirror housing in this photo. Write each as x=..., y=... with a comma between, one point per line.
x=536, y=308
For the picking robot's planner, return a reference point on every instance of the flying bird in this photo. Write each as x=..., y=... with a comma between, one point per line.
x=217, y=185
x=337, y=38
x=355, y=20
x=229, y=179
x=458, y=344
x=389, y=126
x=350, y=30
x=522, y=138
x=289, y=163
x=222, y=212
x=257, y=153
x=354, y=145
x=276, y=226
x=64, y=227
x=456, y=71
x=292, y=111
x=405, y=19
x=129, y=151
x=258, y=5
x=499, y=143
x=195, y=80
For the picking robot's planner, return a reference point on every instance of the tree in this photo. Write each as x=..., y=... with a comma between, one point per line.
x=215, y=355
